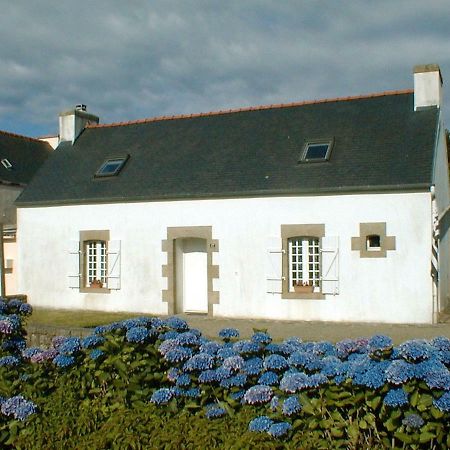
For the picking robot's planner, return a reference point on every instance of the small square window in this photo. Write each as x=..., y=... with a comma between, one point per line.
x=373, y=242
x=111, y=167
x=316, y=151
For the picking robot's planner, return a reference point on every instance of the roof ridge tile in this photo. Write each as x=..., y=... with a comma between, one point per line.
x=21, y=136
x=251, y=108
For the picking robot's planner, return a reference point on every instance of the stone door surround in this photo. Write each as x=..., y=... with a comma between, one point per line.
x=168, y=270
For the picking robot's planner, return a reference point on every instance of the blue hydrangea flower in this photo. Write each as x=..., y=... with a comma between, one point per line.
x=246, y=347
x=210, y=347
x=291, y=406
x=399, y=372
x=25, y=309
x=214, y=411
x=96, y=354
x=238, y=380
x=9, y=361
x=279, y=429
x=348, y=346
x=64, y=361
x=316, y=380
x=137, y=322
x=332, y=366
x=324, y=348
x=413, y=421
x=183, y=380
x=3, y=306
x=268, y=378
x=30, y=351
x=226, y=352
x=199, y=362
x=43, y=356
x=440, y=379
x=208, y=377
x=443, y=402
x=379, y=343
x=7, y=326
x=273, y=348
x=234, y=363
x=228, y=333
x=193, y=392
x=177, y=323
x=14, y=304
x=253, y=366
x=293, y=382
x=396, y=397
x=308, y=361
x=168, y=345
x=260, y=424
x=92, y=341
x=70, y=346
x=261, y=337
x=14, y=344
x=416, y=350
x=137, y=335
x=173, y=373
x=237, y=395
x=157, y=323
x=423, y=368
x=178, y=354
x=168, y=335
x=187, y=338
x=18, y=407
x=162, y=396
x=275, y=362
x=257, y=394
x=441, y=343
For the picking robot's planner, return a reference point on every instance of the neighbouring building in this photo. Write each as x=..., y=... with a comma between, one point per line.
x=20, y=158
x=333, y=210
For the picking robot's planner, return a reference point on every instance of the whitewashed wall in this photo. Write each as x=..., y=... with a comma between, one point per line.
x=394, y=289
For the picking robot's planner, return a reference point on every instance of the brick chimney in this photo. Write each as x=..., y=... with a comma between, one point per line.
x=73, y=122
x=427, y=86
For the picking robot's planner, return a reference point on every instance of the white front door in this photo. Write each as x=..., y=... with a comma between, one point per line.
x=195, y=275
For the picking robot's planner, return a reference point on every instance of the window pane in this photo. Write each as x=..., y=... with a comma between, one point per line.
x=316, y=151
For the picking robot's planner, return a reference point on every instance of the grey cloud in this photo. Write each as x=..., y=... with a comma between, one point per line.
x=136, y=59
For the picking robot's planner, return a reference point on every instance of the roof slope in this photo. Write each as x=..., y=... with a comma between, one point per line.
x=379, y=142
x=25, y=154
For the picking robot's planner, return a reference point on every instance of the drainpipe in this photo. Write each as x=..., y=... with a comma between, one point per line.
x=2, y=263
x=435, y=259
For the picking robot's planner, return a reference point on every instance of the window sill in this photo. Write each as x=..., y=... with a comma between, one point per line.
x=92, y=290
x=303, y=296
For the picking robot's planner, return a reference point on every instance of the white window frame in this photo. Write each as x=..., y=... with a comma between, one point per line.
x=304, y=262
x=96, y=265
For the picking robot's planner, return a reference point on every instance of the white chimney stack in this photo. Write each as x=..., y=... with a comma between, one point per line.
x=73, y=122
x=427, y=86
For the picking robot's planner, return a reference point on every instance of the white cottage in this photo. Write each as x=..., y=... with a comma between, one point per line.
x=333, y=210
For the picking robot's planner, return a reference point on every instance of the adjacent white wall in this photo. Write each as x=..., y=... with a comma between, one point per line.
x=394, y=289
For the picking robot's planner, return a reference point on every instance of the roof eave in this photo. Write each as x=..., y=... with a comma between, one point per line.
x=342, y=190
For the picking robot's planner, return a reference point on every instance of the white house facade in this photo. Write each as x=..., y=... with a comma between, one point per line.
x=334, y=210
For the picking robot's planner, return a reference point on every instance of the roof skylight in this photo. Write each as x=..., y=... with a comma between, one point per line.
x=111, y=167
x=316, y=151
x=6, y=164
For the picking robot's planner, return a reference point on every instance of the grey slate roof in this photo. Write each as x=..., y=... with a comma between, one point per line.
x=25, y=154
x=379, y=143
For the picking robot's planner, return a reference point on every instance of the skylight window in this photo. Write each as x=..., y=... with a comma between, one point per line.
x=111, y=167
x=316, y=151
x=6, y=164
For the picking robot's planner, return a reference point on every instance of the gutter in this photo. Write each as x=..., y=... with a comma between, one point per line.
x=344, y=190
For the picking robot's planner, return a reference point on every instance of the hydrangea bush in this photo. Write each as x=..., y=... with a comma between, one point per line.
x=359, y=393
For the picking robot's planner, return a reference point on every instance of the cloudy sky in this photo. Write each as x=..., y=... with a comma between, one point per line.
x=143, y=58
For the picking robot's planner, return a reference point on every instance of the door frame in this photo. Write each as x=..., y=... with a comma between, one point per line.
x=169, y=269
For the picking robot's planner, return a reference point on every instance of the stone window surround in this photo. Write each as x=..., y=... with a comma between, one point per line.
x=359, y=243
x=168, y=270
x=289, y=231
x=91, y=235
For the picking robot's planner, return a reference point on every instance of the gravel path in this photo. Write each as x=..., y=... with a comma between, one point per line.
x=318, y=331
